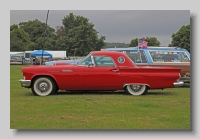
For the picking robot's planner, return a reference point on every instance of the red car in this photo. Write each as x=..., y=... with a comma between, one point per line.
x=99, y=70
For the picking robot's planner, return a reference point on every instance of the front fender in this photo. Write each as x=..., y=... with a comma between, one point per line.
x=44, y=74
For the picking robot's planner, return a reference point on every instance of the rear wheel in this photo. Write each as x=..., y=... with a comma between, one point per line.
x=43, y=86
x=136, y=89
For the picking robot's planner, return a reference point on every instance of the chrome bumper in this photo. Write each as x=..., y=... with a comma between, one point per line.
x=177, y=84
x=25, y=83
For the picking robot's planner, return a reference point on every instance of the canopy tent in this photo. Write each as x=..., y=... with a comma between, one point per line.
x=39, y=53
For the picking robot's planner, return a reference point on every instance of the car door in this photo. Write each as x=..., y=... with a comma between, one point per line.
x=103, y=75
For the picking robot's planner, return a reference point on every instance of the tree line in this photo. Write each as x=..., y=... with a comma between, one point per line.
x=76, y=34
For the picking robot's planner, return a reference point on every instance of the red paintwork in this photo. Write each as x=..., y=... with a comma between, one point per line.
x=104, y=78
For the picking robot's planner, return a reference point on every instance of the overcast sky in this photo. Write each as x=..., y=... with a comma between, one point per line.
x=117, y=25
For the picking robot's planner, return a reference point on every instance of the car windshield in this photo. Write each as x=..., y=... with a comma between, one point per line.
x=86, y=61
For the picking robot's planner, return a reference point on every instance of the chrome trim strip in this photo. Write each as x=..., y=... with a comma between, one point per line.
x=66, y=70
x=25, y=83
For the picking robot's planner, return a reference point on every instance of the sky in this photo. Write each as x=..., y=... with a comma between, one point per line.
x=120, y=26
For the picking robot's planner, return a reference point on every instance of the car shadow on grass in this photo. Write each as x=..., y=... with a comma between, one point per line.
x=120, y=92
x=89, y=93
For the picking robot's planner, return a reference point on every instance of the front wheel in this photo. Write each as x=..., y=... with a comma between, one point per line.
x=136, y=89
x=43, y=86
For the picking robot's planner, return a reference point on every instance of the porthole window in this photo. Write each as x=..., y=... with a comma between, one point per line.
x=121, y=59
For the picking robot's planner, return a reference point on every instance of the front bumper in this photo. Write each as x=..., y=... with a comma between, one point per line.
x=25, y=83
x=177, y=84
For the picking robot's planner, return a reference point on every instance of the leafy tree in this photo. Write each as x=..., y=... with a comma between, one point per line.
x=19, y=39
x=13, y=27
x=79, y=35
x=60, y=31
x=181, y=38
x=152, y=41
x=36, y=29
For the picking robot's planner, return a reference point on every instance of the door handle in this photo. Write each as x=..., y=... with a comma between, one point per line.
x=115, y=70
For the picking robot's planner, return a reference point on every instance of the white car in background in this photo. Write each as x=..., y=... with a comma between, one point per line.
x=17, y=60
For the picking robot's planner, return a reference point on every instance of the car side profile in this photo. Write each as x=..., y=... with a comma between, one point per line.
x=99, y=70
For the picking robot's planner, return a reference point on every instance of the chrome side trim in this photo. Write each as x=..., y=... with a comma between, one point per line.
x=25, y=83
x=177, y=84
x=66, y=70
x=135, y=83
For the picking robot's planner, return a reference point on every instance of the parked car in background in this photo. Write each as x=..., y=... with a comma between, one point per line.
x=59, y=62
x=159, y=56
x=99, y=70
x=19, y=60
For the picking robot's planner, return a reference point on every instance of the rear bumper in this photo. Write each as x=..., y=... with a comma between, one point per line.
x=25, y=83
x=177, y=84
x=185, y=80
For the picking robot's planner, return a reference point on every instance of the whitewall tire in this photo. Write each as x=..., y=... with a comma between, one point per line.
x=43, y=86
x=136, y=89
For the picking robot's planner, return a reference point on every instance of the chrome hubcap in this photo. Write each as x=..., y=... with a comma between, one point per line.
x=43, y=87
x=136, y=88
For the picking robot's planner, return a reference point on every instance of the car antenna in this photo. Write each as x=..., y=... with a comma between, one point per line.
x=44, y=36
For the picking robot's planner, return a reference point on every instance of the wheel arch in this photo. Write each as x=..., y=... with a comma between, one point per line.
x=140, y=80
x=36, y=76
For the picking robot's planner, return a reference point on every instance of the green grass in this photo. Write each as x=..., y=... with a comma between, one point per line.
x=166, y=109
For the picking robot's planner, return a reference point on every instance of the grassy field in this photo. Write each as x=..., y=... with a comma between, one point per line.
x=166, y=109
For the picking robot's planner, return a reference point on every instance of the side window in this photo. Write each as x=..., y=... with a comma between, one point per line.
x=27, y=55
x=16, y=57
x=103, y=61
x=137, y=56
x=169, y=56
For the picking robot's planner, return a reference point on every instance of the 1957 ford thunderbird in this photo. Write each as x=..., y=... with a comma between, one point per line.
x=99, y=70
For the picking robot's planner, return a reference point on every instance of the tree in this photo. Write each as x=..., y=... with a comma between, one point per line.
x=13, y=27
x=40, y=35
x=79, y=35
x=19, y=39
x=181, y=38
x=152, y=41
x=60, y=31
x=36, y=29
